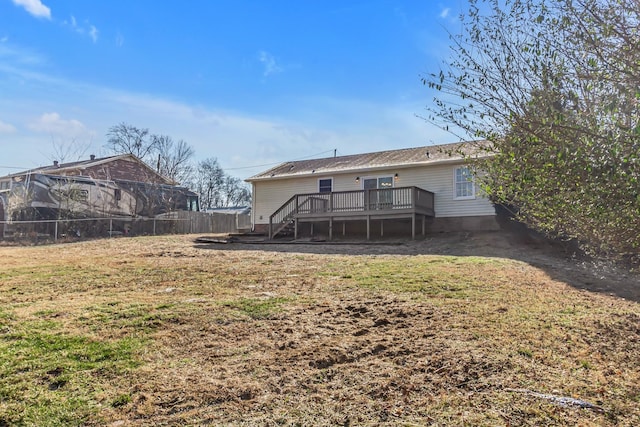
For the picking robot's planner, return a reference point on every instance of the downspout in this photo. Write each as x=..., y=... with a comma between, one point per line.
x=253, y=206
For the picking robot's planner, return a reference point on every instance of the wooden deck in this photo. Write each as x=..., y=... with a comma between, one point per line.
x=389, y=203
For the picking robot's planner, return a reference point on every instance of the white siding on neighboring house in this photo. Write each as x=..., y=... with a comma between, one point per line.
x=269, y=195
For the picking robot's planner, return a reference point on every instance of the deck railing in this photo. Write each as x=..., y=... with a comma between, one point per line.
x=374, y=201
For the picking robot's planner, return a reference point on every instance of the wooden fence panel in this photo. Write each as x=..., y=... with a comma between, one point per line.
x=203, y=222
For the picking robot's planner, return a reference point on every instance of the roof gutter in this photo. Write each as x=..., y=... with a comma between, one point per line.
x=358, y=170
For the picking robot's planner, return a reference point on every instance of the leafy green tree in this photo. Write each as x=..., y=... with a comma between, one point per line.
x=554, y=85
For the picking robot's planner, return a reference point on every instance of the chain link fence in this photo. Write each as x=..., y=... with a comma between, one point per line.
x=81, y=228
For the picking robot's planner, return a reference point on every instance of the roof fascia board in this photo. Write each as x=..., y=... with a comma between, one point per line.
x=358, y=170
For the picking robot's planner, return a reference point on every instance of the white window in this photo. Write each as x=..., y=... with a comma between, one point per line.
x=325, y=185
x=463, y=183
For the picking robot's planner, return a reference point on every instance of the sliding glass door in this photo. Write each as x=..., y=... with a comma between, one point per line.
x=383, y=197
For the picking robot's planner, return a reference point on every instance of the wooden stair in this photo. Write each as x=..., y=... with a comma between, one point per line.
x=286, y=229
x=283, y=218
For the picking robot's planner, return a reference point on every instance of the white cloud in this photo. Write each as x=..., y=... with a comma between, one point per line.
x=87, y=28
x=269, y=62
x=93, y=33
x=14, y=55
x=119, y=39
x=53, y=124
x=35, y=8
x=239, y=140
x=6, y=127
x=445, y=12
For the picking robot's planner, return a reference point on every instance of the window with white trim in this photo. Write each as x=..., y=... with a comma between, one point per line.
x=463, y=183
x=325, y=185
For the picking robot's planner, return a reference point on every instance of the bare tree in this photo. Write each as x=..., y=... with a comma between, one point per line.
x=554, y=86
x=174, y=159
x=128, y=139
x=235, y=192
x=68, y=151
x=209, y=180
x=217, y=189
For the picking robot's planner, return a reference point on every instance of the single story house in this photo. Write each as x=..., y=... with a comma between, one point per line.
x=121, y=186
x=425, y=189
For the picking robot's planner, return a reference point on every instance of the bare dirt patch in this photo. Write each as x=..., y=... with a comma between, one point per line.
x=453, y=330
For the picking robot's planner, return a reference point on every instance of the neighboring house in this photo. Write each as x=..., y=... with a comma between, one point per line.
x=389, y=192
x=117, y=186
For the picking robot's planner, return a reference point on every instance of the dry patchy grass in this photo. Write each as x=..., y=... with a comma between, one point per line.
x=162, y=331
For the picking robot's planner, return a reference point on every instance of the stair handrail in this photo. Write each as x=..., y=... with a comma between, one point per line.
x=283, y=215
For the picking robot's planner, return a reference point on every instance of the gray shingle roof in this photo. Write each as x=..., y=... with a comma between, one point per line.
x=378, y=160
x=80, y=164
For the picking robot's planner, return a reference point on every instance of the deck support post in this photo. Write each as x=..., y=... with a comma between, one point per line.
x=344, y=228
x=330, y=228
x=413, y=227
x=312, y=229
x=424, y=225
x=382, y=228
x=295, y=229
x=368, y=227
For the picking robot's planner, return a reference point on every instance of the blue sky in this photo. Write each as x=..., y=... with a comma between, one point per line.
x=251, y=83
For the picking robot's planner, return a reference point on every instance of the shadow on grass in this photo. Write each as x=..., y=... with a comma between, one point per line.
x=552, y=258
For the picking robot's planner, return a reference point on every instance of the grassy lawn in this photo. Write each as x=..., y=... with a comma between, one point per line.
x=163, y=331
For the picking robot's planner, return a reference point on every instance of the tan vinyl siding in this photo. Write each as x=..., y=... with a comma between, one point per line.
x=269, y=195
x=439, y=179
